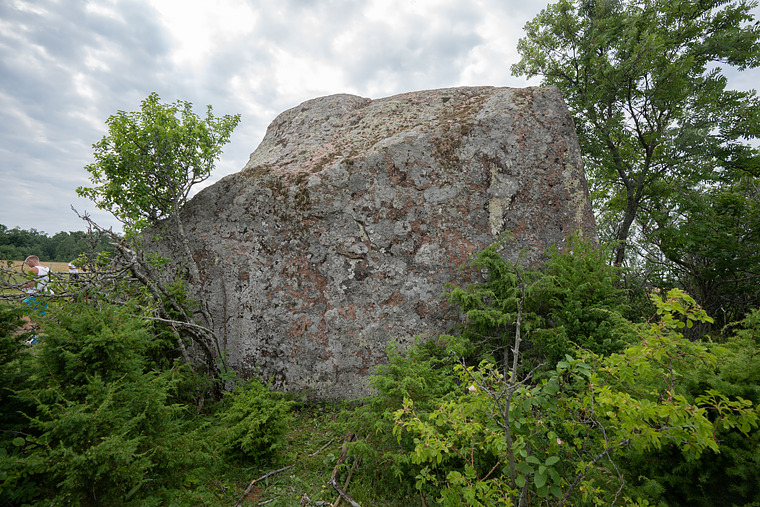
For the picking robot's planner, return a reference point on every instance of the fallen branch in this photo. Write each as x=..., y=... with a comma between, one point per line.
x=344, y=495
x=348, y=479
x=334, y=477
x=321, y=448
x=253, y=482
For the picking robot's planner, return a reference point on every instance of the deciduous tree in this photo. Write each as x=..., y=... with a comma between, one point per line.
x=143, y=172
x=644, y=81
x=147, y=164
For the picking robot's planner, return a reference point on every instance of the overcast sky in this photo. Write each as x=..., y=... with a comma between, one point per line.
x=66, y=65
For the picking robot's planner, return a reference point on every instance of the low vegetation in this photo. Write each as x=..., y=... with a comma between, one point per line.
x=522, y=406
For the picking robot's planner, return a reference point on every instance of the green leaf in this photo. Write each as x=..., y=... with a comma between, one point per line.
x=556, y=479
x=539, y=480
x=524, y=467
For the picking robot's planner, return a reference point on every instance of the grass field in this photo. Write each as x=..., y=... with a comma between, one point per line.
x=57, y=267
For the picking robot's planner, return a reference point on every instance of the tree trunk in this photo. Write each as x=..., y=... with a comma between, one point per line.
x=633, y=199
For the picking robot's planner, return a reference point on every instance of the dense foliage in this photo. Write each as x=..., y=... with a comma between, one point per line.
x=572, y=301
x=547, y=394
x=561, y=438
x=657, y=122
x=97, y=413
x=146, y=166
x=714, y=252
x=655, y=419
x=17, y=244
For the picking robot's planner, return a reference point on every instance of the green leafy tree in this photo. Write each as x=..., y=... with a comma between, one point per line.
x=67, y=245
x=143, y=172
x=643, y=81
x=16, y=244
x=147, y=164
x=712, y=248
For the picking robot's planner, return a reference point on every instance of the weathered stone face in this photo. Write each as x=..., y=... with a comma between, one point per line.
x=340, y=233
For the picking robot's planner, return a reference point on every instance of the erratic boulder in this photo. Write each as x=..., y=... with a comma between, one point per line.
x=352, y=215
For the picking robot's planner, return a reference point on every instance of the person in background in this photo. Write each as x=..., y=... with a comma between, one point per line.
x=73, y=272
x=34, y=287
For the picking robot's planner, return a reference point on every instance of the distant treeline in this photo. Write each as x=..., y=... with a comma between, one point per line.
x=16, y=244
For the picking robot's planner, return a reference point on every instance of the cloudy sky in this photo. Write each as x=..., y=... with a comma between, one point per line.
x=66, y=65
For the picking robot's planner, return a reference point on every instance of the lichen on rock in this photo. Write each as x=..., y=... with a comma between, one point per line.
x=344, y=227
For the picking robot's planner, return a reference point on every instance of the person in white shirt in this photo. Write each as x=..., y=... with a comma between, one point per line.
x=38, y=285
x=73, y=271
x=42, y=276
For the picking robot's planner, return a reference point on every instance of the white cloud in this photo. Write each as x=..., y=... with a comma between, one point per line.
x=28, y=7
x=299, y=76
x=104, y=8
x=65, y=66
x=199, y=29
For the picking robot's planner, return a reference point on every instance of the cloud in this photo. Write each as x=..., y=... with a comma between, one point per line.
x=66, y=65
x=63, y=64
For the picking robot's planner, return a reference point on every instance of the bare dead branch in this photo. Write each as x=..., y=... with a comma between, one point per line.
x=334, y=477
x=131, y=259
x=253, y=482
x=343, y=494
x=321, y=448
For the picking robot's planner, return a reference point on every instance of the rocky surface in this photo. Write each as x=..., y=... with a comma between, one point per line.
x=341, y=232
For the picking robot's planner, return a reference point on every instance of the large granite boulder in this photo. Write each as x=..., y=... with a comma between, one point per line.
x=352, y=215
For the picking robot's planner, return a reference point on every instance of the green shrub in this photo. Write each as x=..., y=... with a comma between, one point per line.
x=425, y=372
x=10, y=340
x=572, y=301
x=422, y=372
x=482, y=446
x=580, y=301
x=728, y=475
x=15, y=485
x=256, y=421
x=100, y=430
x=558, y=438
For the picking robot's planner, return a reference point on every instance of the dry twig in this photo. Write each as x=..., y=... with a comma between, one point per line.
x=321, y=448
x=253, y=482
x=334, y=478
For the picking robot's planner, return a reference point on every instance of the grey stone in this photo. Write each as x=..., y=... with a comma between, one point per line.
x=344, y=227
